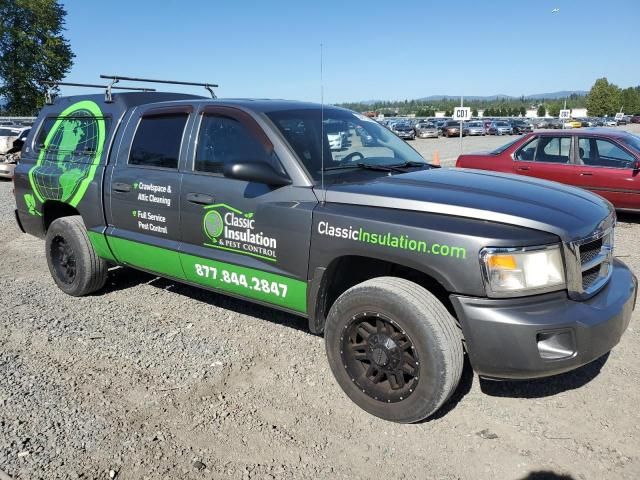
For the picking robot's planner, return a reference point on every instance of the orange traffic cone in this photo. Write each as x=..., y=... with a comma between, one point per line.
x=436, y=158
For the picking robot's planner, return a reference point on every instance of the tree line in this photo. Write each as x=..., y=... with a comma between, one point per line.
x=604, y=99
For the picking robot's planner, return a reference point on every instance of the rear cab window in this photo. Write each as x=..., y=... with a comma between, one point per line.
x=75, y=135
x=157, y=140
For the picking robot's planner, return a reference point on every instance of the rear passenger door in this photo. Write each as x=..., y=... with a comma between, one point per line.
x=244, y=238
x=547, y=156
x=142, y=189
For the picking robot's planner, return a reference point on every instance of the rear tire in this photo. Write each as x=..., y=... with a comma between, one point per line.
x=73, y=263
x=394, y=349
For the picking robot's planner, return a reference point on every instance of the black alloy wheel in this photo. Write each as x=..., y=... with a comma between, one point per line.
x=63, y=259
x=380, y=358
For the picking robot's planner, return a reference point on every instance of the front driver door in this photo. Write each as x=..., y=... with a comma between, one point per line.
x=244, y=238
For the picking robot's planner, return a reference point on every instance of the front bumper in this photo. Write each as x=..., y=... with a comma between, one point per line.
x=505, y=338
x=6, y=170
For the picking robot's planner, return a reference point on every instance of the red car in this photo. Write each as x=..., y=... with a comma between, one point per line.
x=604, y=161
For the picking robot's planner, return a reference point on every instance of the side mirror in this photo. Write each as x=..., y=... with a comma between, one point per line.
x=258, y=172
x=636, y=167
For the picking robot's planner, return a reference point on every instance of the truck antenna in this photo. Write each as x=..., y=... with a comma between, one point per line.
x=324, y=193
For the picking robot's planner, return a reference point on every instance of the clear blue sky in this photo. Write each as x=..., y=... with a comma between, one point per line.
x=372, y=49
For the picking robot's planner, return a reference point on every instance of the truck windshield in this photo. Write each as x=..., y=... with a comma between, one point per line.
x=361, y=140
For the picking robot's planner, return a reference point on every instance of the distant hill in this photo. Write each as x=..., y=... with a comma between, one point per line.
x=498, y=96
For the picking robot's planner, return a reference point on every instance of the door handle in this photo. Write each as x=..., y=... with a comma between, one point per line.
x=524, y=169
x=586, y=174
x=200, y=198
x=121, y=187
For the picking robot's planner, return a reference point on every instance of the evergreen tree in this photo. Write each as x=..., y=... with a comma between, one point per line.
x=603, y=98
x=32, y=49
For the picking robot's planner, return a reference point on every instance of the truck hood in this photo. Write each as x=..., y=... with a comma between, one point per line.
x=568, y=212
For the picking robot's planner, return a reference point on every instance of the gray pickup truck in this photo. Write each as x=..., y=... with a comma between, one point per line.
x=403, y=266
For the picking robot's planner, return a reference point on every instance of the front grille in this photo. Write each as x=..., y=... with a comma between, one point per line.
x=589, y=251
x=590, y=277
x=595, y=256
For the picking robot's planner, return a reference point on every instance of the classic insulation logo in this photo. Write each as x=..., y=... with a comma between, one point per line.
x=228, y=228
x=391, y=240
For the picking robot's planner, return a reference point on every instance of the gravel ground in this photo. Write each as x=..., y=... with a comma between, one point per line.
x=153, y=379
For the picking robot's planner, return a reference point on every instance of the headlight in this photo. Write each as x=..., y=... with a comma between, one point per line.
x=512, y=272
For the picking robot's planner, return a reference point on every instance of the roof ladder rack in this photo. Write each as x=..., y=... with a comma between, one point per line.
x=116, y=78
x=51, y=85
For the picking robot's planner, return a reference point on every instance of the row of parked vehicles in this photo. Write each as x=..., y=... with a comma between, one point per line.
x=409, y=129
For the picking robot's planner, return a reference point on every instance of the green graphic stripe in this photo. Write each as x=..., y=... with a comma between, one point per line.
x=235, y=250
x=99, y=243
x=148, y=257
x=243, y=281
x=296, y=291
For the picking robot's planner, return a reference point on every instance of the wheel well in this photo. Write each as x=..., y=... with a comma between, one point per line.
x=52, y=210
x=345, y=272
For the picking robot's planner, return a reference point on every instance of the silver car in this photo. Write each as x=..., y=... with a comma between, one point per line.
x=473, y=128
x=427, y=130
x=500, y=128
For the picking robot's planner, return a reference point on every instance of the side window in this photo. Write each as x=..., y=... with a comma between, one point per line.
x=224, y=140
x=157, y=141
x=528, y=152
x=553, y=150
x=73, y=134
x=611, y=155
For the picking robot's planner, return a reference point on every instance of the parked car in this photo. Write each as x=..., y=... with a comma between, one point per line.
x=450, y=128
x=10, y=134
x=335, y=135
x=408, y=270
x=555, y=123
x=572, y=123
x=427, y=130
x=500, y=127
x=635, y=119
x=610, y=122
x=366, y=139
x=404, y=131
x=606, y=162
x=9, y=160
x=520, y=127
x=624, y=120
x=473, y=128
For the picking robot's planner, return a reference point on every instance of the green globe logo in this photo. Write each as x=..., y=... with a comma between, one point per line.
x=213, y=224
x=70, y=155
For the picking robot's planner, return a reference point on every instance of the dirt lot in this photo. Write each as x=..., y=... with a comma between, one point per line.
x=153, y=379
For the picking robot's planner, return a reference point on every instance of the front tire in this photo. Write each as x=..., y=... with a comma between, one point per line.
x=73, y=263
x=394, y=349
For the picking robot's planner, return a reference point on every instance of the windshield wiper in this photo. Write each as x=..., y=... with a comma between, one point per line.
x=366, y=166
x=412, y=164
